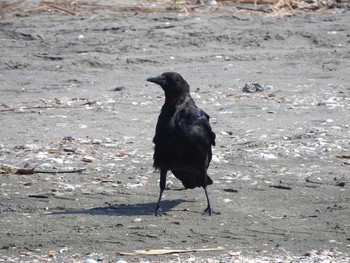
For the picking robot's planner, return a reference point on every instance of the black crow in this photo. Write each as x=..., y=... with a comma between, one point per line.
x=183, y=138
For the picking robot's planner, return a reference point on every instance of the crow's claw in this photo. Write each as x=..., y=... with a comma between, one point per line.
x=159, y=211
x=208, y=211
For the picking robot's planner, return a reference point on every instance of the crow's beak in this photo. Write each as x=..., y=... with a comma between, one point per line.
x=158, y=79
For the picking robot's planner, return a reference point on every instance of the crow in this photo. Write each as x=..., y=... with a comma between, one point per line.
x=183, y=137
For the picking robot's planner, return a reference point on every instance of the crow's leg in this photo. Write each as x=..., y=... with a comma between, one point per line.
x=162, y=187
x=208, y=209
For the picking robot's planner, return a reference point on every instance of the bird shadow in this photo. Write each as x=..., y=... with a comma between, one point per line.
x=138, y=209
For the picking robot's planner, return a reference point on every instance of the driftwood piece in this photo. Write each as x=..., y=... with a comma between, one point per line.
x=9, y=169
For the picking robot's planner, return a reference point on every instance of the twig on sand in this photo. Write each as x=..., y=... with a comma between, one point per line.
x=264, y=232
x=61, y=172
x=170, y=251
x=62, y=9
x=281, y=187
x=8, y=169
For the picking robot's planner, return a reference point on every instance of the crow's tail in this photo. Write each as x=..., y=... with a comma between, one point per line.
x=190, y=180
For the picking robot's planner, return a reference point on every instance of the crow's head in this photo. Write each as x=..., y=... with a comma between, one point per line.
x=171, y=82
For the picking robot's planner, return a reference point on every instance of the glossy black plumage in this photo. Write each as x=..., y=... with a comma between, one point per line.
x=183, y=138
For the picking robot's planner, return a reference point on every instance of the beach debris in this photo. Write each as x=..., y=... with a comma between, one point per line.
x=283, y=187
x=118, y=88
x=154, y=252
x=253, y=87
x=26, y=170
x=88, y=159
x=230, y=190
x=169, y=185
x=52, y=254
x=7, y=169
x=347, y=156
x=122, y=154
x=137, y=220
x=340, y=184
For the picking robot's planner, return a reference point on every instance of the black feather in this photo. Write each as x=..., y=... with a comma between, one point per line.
x=184, y=137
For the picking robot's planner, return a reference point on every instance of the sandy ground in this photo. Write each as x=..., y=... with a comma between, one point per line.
x=73, y=96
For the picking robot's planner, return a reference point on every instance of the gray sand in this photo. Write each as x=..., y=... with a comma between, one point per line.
x=73, y=95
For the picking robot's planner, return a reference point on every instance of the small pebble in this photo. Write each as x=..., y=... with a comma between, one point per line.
x=88, y=159
x=169, y=185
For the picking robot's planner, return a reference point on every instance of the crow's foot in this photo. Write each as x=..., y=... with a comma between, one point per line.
x=208, y=211
x=159, y=211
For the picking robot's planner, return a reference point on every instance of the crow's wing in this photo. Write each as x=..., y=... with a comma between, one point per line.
x=192, y=124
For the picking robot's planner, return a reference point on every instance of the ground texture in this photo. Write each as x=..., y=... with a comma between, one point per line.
x=75, y=106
